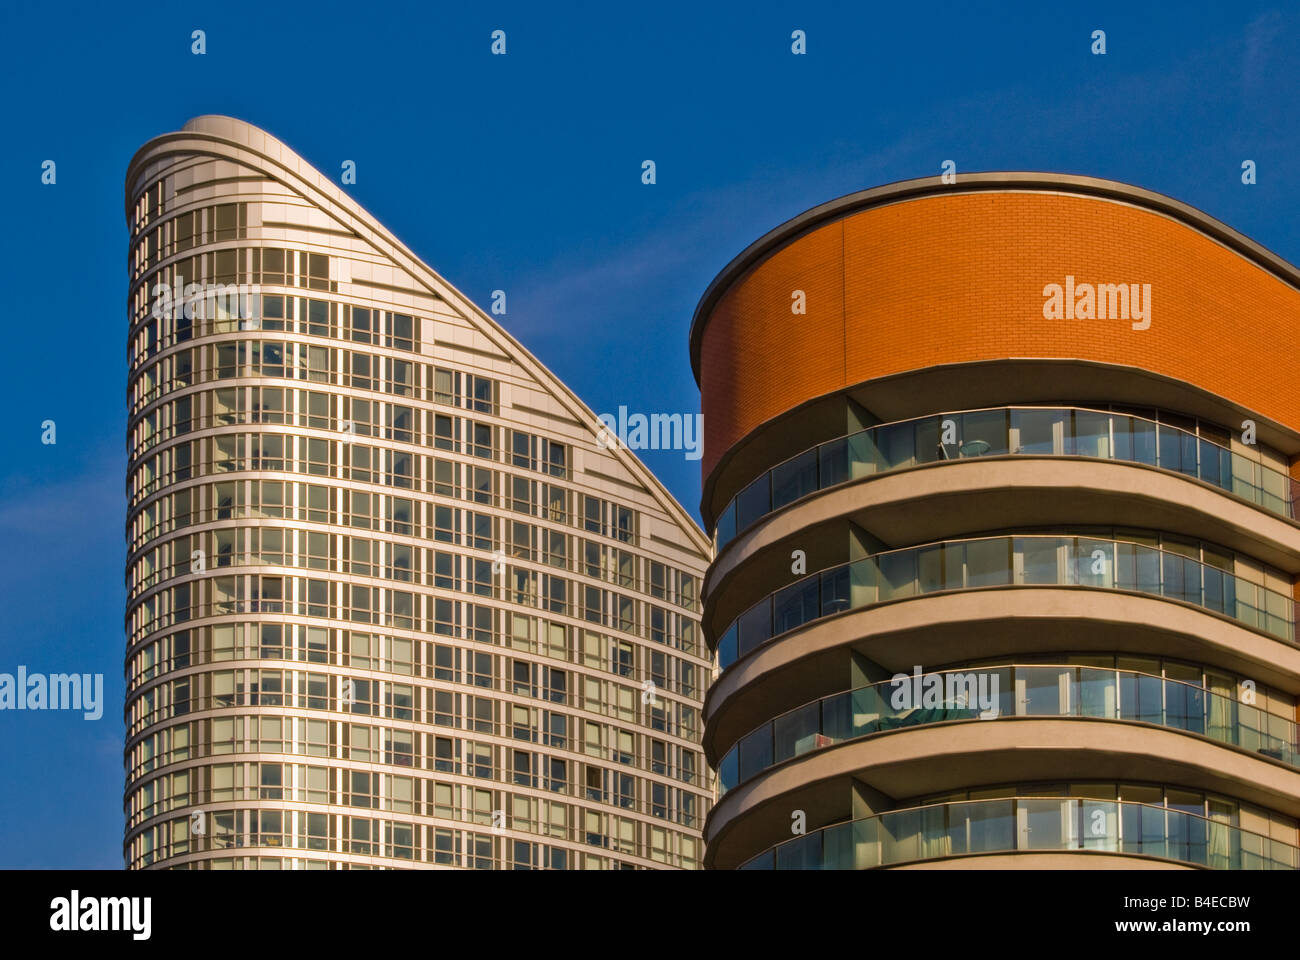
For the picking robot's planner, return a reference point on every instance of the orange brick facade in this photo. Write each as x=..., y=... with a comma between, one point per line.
x=960, y=278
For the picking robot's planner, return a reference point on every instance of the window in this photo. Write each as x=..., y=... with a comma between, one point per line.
x=556, y=458
x=401, y=379
x=481, y=482
x=316, y=644
x=273, y=315
x=555, y=548
x=482, y=440
x=318, y=271
x=320, y=318
x=400, y=701
x=465, y=390
x=482, y=535
x=593, y=555
x=658, y=625
x=446, y=432
x=225, y=220
x=313, y=737
x=521, y=449
x=313, y=690
x=363, y=369
x=315, y=782
x=269, y=405
x=359, y=324
x=538, y=453
x=658, y=580
x=446, y=478
x=625, y=524
x=446, y=524
x=482, y=714
x=478, y=760
x=556, y=686
x=363, y=836
x=363, y=510
x=521, y=494
x=400, y=841
x=593, y=601
x=446, y=847
x=320, y=364
x=363, y=788
x=521, y=766
x=446, y=570
x=554, y=501
x=361, y=462
x=444, y=386
x=400, y=513
x=272, y=265
x=268, y=358
x=400, y=422
x=400, y=562
x=481, y=393
x=446, y=708
x=401, y=331
x=593, y=514
x=316, y=455
x=658, y=757
x=228, y=406
x=446, y=753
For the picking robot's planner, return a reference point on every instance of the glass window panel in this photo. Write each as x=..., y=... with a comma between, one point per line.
x=794, y=478
x=1091, y=434
x=1039, y=431
x=988, y=562
x=984, y=433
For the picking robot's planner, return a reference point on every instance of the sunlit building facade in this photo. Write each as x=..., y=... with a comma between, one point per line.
x=1000, y=478
x=391, y=601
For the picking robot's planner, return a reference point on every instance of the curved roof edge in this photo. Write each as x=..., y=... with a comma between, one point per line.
x=283, y=163
x=852, y=203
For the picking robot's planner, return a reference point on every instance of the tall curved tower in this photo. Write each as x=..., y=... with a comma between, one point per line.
x=1000, y=478
x=392, y=601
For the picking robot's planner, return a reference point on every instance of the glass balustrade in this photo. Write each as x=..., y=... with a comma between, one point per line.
x=1004, y=431
x=987, y=693
x=1028, y=824
x=1030, y=560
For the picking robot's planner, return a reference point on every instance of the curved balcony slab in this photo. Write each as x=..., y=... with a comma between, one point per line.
x=918, y=761
x=965, y=497
x=957, y=627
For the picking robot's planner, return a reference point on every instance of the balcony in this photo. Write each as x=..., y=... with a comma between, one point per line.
x=1006, y=431
x=1029, y=560
x=1029, y=825
x=1038, y=690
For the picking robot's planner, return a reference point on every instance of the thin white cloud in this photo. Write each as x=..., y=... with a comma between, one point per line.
x=1259, y=45
x=84, y=502
x=694, y=238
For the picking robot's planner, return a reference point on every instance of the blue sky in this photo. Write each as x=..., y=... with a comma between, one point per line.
x=522, y=173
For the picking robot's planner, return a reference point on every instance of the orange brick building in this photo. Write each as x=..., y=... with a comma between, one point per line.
x=913, y=465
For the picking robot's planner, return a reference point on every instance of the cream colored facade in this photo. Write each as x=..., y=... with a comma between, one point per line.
x=390, y=602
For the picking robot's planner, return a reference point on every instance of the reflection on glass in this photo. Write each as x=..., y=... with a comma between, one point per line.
x=988, y=693
x=1024, y=431
x=1179, y=832
x=1003, y=561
